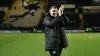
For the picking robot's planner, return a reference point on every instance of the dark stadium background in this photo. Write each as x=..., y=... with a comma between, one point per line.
x=90, y=19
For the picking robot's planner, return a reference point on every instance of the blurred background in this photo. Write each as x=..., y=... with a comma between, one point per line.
x=22, y=30
x=83, y=14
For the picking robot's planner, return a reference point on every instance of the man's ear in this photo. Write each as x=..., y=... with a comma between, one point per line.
x=49, y=10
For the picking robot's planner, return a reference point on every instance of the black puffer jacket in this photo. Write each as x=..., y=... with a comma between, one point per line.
x=55, y=36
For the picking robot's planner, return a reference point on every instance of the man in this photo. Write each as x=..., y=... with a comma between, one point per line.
x=55, y=34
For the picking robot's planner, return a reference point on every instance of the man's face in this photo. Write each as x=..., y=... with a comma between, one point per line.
x=53, y=12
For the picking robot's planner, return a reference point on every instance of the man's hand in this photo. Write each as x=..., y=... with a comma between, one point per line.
x=61, y=10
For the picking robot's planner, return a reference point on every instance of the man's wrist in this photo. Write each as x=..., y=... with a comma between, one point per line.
x=61, y=15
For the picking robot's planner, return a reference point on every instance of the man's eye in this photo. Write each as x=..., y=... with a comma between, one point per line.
x=54, y=10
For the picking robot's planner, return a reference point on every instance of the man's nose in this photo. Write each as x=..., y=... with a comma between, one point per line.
x=55, y=12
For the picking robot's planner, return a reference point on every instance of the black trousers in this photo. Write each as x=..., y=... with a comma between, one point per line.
x=55, y=52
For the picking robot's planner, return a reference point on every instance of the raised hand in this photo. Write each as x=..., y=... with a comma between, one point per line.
x=61, y=10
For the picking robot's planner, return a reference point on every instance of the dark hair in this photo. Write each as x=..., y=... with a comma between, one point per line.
x=52, y=7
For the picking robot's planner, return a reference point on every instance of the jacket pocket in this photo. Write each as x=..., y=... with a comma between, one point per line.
x=47, y=40
x=53, y=41
x=52, y=33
